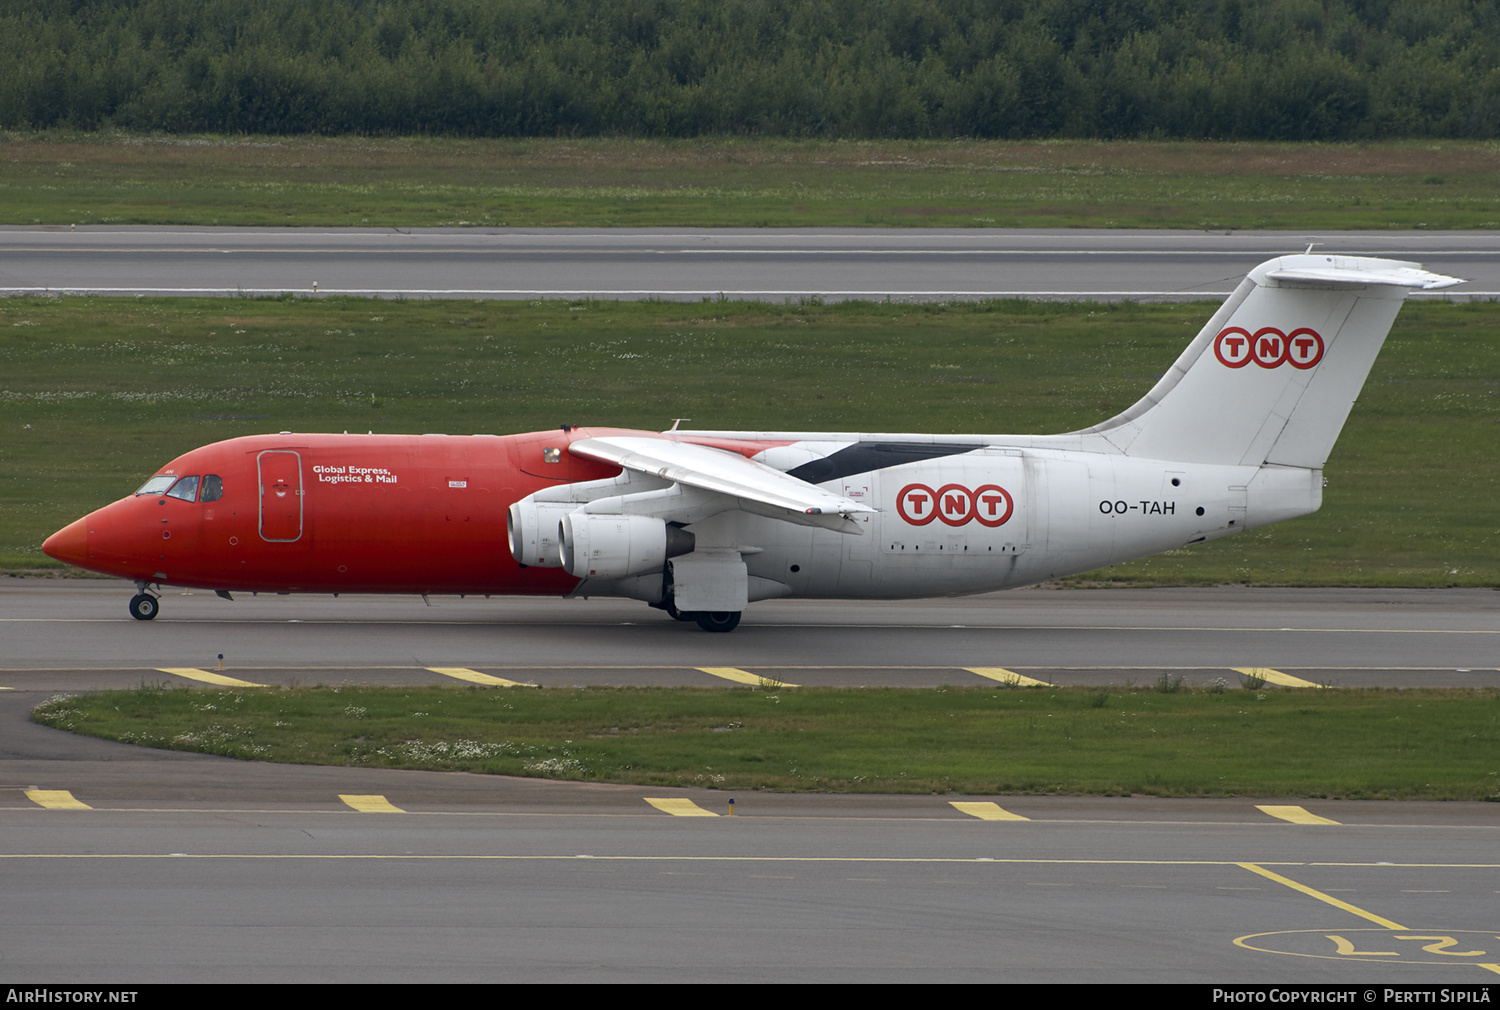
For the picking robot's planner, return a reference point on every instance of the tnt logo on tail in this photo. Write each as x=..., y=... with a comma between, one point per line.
x=1268, y=347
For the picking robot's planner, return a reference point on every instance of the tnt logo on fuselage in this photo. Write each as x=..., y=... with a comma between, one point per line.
x=1268, y=347
x=954, y=504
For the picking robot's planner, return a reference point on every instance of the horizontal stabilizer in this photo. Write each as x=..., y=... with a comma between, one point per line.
x=1361, y=271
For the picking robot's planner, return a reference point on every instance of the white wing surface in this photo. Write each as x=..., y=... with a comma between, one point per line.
x=718, y=471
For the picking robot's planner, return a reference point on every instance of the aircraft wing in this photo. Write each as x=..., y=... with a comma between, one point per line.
x=721, y=472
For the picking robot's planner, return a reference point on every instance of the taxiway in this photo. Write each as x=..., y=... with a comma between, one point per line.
x=694, y=264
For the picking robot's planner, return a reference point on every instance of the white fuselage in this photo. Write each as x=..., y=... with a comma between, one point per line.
x=998, y=517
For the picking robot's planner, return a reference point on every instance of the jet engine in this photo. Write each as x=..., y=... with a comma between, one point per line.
x=615, y=546
x=531, y=528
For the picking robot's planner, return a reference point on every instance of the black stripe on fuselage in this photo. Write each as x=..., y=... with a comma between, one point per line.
x=863, y=457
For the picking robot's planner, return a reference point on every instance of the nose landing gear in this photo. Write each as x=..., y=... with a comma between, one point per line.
x=144, y=606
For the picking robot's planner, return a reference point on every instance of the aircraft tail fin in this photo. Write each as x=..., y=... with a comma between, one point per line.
x=1272, y=376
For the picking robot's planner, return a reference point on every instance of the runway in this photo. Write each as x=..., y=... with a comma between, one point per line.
x=695, y=264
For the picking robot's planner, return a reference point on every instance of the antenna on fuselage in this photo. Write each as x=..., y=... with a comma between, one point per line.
x=676, y=421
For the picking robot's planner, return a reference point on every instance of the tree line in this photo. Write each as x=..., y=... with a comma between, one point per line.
x=1212, y=69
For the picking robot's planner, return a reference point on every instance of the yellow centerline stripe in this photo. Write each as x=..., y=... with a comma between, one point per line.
x=1330, y=899
x=1296, y=815
x=743, y=677
x=370, y=803
x=985, y=811
x=204, y=676
x=55, y=799
x=678, y=806
x=1005, y=676
x=1271, y=676
x=474, y=676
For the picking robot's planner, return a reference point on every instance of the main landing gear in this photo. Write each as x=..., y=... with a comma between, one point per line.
x=718, y=621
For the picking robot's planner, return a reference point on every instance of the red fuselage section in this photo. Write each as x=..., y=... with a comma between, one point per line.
x=338, y=513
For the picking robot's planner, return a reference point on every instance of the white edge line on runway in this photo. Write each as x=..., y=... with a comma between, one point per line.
x=608, y=242
x=706, y=293
x=645, y=292
x=654, y=858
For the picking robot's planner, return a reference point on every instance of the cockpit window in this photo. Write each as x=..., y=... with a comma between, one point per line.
x=158, y=484
x=186, y=489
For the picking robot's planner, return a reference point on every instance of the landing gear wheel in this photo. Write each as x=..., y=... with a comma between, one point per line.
x=717, y=620
x=670, y=606
x=144, y=607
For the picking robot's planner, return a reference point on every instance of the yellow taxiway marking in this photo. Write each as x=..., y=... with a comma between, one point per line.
x=55, y=799
x=1312, y=892
x=1296, y=815
x=474, y=676
x=1271, y=676
x=743, y=677
x=1005, y=676
x=370, y=803
x=678, y=807
x=985, y=811
x=192, y=673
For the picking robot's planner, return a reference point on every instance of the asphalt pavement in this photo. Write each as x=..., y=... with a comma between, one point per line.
x=696, y=264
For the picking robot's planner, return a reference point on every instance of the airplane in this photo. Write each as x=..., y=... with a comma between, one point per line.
x=703, y=523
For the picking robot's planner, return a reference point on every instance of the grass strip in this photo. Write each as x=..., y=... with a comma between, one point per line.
x=97, y=393
x=69, y=178
x=1168, y=741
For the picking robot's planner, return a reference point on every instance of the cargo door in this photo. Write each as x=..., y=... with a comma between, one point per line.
x=281, y=496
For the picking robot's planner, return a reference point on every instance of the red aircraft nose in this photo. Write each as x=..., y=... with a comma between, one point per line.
x=70, y=544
